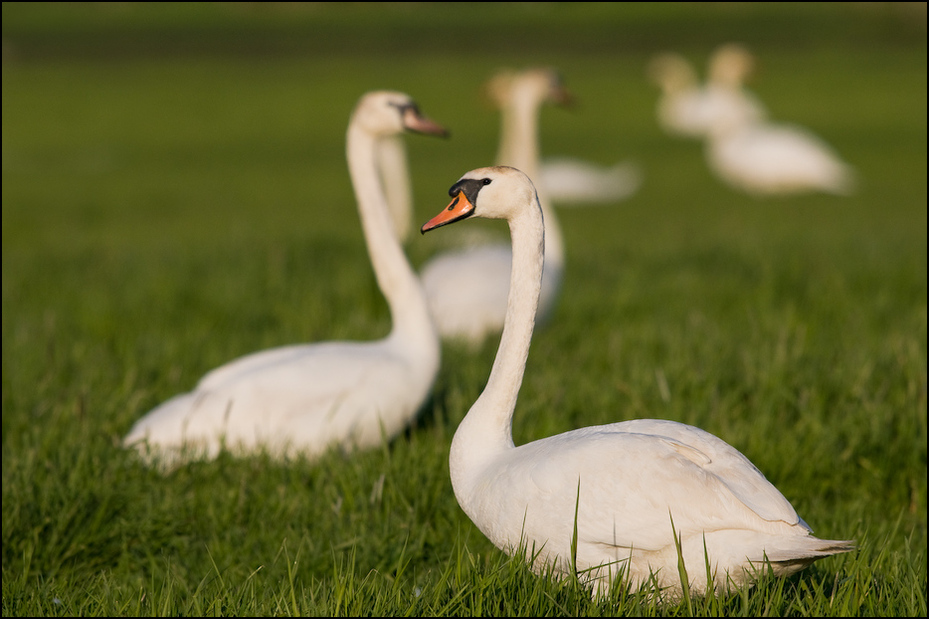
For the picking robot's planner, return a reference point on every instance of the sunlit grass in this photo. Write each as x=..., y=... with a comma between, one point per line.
x=164, y=215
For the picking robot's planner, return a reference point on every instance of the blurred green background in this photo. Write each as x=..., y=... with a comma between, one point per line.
x=175, y=195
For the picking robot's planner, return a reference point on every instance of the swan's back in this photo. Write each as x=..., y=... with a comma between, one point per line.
x=304, y=399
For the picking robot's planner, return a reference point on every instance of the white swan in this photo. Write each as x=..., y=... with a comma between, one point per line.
x=759, y=157
x=615, y=487
x=572, y=182
x=688, y=109
x=306, y=398
x=767, y=159
x=467, y=288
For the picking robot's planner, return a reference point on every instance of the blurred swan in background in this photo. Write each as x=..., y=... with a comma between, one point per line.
x=467, y=288
x=765, y=159
x=754, y=155
x=743, y=148
x=304, y=399
x=567, y=181
x=689, y=109
x=610, y=499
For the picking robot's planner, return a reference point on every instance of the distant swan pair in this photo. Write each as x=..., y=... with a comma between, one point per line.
x=742, y=147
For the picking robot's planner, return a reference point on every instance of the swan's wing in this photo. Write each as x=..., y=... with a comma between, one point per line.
x=783, y=158
x=631, y=482
x=727, y=464
x=786, y=145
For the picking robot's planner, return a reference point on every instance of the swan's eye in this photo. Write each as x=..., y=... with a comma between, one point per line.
x=486, y=181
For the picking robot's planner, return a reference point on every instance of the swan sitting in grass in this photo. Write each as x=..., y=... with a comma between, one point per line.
x=766, y=159
x=623, y=498
x=306, y=398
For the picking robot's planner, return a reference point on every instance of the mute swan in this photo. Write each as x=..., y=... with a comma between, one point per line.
x=688, y=109
x=616, y=487
x=766, y=159
x=306, y=398
x=567, y=181
x=467, y=288
x=560, y=179
x=761, y=158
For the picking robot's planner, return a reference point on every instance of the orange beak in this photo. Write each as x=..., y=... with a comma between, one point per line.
x=459, y=208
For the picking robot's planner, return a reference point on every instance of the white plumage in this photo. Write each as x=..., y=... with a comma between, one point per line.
x=743, y=148
x=569, y=182
x=689, y=109
x=620, y=484
x=306, y=398
x=395, y=176
x=766, y=159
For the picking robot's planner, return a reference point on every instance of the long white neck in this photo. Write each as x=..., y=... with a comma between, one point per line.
x=486, y=430
x=519, y=148
x=395, y=176
x=396, y=279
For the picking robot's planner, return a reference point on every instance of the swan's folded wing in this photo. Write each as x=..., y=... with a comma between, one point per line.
x=250, y=363
x=630, y=485
x=735, y=471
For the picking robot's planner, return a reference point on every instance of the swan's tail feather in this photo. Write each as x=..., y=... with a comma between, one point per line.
x=796, y=556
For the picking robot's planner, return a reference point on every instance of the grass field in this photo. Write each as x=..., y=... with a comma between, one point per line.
x=175, y=195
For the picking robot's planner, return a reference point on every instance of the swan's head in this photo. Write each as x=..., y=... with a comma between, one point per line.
x=497, y=192
x=672, y=73
x=538, y=85
x=730, y=65
x=385, y=113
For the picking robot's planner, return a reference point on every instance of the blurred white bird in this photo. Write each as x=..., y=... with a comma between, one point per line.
x=573, y=182
x=743, y=148
x=757, y=156
x=765, y=159
x=689, y=109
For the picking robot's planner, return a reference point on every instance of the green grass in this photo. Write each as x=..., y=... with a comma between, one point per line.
x=175, y=195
